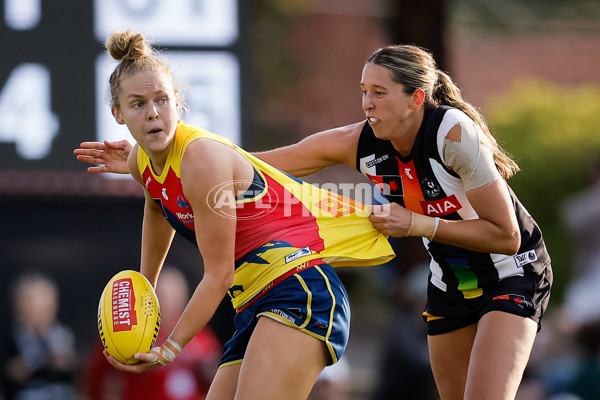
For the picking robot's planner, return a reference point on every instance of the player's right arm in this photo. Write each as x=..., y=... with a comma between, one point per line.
x=310, y=155
x=157, y=233
x=317, y=151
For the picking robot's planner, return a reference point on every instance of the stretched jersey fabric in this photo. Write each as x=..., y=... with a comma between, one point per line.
x=422, y=183
x=282, y=222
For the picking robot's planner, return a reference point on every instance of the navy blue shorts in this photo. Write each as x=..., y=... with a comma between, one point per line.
x=313, y=301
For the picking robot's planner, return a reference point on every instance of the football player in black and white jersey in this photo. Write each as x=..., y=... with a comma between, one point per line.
x=444, y=174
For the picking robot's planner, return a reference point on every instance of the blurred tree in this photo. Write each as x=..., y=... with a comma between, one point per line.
x=553, y=134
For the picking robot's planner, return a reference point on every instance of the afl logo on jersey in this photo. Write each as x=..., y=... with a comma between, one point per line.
x=430, y=187
x=255, y=202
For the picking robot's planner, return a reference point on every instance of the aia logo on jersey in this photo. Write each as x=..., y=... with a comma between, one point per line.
x=438, y=208
x=430, y=187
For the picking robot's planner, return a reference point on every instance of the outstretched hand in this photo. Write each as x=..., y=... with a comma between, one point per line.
x=110, y=156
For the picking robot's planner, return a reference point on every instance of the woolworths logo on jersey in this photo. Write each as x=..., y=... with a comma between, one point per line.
x=243, y=200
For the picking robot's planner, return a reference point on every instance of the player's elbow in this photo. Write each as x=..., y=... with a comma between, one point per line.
x=225, y=279
x=219, y=279
x=510, y=243
x=228, y=279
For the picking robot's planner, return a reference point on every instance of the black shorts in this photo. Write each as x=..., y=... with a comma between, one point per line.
x=526, y=295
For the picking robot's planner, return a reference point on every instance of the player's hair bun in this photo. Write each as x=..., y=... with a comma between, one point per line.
x=127, y=46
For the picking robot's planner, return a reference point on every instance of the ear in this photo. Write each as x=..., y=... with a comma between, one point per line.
x=417, y=98
x=117, y=114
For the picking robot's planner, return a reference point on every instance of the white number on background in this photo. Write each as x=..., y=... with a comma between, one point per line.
x=26, y=118
x=22, y=15
x=181, y=22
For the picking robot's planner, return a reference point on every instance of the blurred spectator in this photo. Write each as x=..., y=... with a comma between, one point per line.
x=567, y=359
x=405, y=372
x=571, y=370
x=187, y=378
x=581, y=214
x=586, y=381
x=38, y=356
x=333, y=383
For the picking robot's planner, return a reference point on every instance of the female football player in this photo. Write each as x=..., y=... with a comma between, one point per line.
x=266, y=239
x=442, y=170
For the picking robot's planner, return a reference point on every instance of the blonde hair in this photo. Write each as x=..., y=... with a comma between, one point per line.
x=415, y=68
x=134, y=54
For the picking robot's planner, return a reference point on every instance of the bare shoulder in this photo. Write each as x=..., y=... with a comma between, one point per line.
x=214, y=160
x=208, y=164
x=205, y=152
x=454, y=134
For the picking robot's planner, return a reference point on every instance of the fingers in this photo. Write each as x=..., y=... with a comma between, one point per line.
x=380, y=211
x=120, y=145
x=147, y=357
x=86, y=152
x=144, y=364
x=90, y=158
x=98, y=170
x=93, y=145
x=90, y=152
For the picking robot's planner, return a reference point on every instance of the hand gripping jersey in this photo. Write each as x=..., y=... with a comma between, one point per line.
x=422, y=183
x=283, y=223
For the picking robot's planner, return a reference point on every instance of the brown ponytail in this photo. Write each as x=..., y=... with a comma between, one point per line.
x=414, y=67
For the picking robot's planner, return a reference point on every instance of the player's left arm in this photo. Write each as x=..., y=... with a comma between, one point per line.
x=208, y=172
x=496, y=229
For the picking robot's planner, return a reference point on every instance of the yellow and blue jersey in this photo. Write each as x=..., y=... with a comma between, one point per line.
x=282, y=222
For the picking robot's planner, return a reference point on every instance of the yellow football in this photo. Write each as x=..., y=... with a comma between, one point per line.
x=128, y=316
